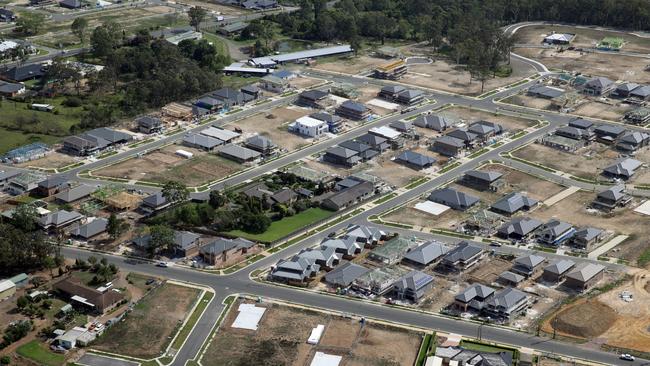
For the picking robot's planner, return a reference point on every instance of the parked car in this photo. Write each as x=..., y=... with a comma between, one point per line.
x=162, y=264
x=626, y=357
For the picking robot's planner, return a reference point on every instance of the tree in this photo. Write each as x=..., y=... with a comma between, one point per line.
x=116, y=226
x=49, y=264
x=162, y=238
x=22, y=302
x=79, y=28
x=25, y=217
x=196, y=14
x=217, y=199
x=104, y=39
x=174, y=191
x=30, y=24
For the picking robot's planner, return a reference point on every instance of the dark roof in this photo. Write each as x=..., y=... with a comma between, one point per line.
x=341, y=152
x=88, y=230
x=513, y=202
x=354, y=145
x=101, y=301
x=546, y=91
x=260, y=142
x=450, y=141
x=10, y=87
x=372, y=140
x=581, y=123
x=427, y=252
x=53, y=182
x=75, y=193
x=614, y=193
x=325, y=117
x=350, y=194
x=149, y=122
x=393, y=89
x=432, y=121
x=203, y=141
x=559, y=267
x=221, y=245
x=463, y=134
x=453, y=198
x=354, y=106
x=473, y=291
x=24, y=72
x=73, y=4
x=414, y=158
x=345, y=274
x=313, y=94
x=155, y=200
x=488, y=176
x=462, y=252
x=520, y=226
x=284, y=195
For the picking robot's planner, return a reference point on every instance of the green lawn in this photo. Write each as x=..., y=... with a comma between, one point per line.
x=217, y=42
x=482, y=347
x=644, y=258
x=280, y=229
x=12, y=139
x=38, y=352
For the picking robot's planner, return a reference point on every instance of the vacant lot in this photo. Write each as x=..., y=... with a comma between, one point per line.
x=573, y=209
x=586, y=163
x=468, y=115
x=283, y=332
x=163, y=165
x=273, y=124
x=516, y=180
x=611, y=110
x=446, y=76
x=610, y=65
x=571, y=320
x=53, y=160
x=488, y=270
x=585, y=37
x=408, y=215
x=350, y=65
x=528, y=101
x=147, y=329
x=642, y=176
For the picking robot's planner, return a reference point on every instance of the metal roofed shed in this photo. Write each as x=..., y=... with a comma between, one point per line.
x=430, y=207
x=249, y=317
x=323, y=359
x=302, y=55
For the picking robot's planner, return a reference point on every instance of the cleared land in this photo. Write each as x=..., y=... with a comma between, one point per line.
x=468, y=115
x=163, y=165
x=283, y=331
x=394, y=173
x=350, y=65
x=585, y=37
x=53, y=160
x=612, y=109
x=148, y=328
x=642, y=176
x=273, y=124
x=586, y=163
x=446, y=76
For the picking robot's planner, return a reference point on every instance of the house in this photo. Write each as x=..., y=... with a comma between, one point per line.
x=412, y=286
x=559, y=38
x=469, y=138
x=353, y=110
x=598, y=86
x=251, y=92
x=611, y=198
x=239, y=154
x=402, y=126
x=368, y=235
x=584, y=275
x=94, y=141
x=308, y=126
x=410, y=97
x=261, y=144
x=378, y=281
x=74, y=194
x=391, y=71
x=482, y=180
x=11, y=90
x=220, y=133
x=506, y=304
x=6, y=175
x=155, y=202
x=259, y=4
x=555, y=232
x=7, y=289
x=7, y=15
x=349, y=196
x=343, y=275
x=638, y=116
x=390, y=92
x=575, y=133
x=88, y=298
x=512, y=203
x=587, y=237
x=473, y=297
x=76, y=336
x=448, y=146
x=624, y=90
x=518, y=228
x=325, y=258
x=390, y=134
x=392, y=251
x=334, y=122
x=203, y=142
x=546, y=92
x=186, y=244
x=341, y=156
x=485, y=130
x=432, y=121
x=363, y=151
x=52, y=185
x=347, y=183
x=149, y=124
x=224, y=252
x=295, y=270
x=22, y=73
x=623, y=169
x=415, y=160
x=231, y=97
x=425, y=254
x=555, y=271
x=528, y=265
x=284, y=196
x=274, y=84
x=346, y=246
x=642, y=92
x=510, y=279
x=375, y=142
x=285, y=74
x=175, y=35
x=633, y=141
x=608, y=134
x=24, y=182
x=455, y=199
x=458, y=356
x=90, y=229
x=462, y=257
x=209, y=103
x=59, y=219
x=313, y=98
x=581, y=123
x=71, y=4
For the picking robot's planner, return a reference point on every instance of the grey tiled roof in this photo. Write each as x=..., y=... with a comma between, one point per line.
x=345, y=274
x=427, y=252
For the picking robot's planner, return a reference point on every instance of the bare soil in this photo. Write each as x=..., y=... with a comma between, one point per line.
x=273, y=125
x=610, y=111
x=516, y=180
x=353, y=65
x=488, y=270
x=642, y=176
x=379, y=345
x=584, y=319
x=468, y=115
x=53, y=160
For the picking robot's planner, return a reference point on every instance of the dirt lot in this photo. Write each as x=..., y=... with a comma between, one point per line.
x=163, y=165
x=149, y=327
x=612, y=66
x=573, y=209
x=283, y=331
x=528, y=101
x=443, y=293
x=304, y=82
x=587, y=162
x=274, y=126
x=368, y=93
x=53, y=160
x=585, y=37
x=408, y=215
x=397, y=174
x=468, y=115
x=487, y=271
x=613, y=321
x=642, y=176
x=446, y=76
x=521, y=182
x=596, y=109
x=352, y=65
x=214, y=7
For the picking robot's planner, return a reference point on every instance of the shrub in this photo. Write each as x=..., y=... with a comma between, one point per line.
x=72, y=102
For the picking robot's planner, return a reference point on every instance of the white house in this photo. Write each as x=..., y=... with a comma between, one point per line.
x=309, y=126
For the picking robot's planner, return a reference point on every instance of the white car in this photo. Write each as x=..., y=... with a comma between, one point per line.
x=162, y=264
x=626, y=357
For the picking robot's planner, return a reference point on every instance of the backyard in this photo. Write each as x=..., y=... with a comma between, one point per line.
x=280, y=229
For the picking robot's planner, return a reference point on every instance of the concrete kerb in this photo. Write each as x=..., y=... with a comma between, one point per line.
x=215, y=328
